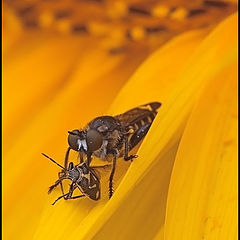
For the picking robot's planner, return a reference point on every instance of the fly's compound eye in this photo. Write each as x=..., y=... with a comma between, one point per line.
x=73, y=138
x=94, y=140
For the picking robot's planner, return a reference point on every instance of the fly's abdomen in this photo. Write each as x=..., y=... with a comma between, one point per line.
x=141, y=128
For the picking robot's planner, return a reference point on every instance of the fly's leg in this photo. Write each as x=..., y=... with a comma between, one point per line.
x=89, y=159
x=66, y=157
x=126, y=150
x=103, y=166
x=112, y=174
x=81, y=156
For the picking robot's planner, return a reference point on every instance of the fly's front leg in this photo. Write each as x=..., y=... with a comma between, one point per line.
x=126, y=150
x=81, y=157
x=66, y=157
x=89, y=159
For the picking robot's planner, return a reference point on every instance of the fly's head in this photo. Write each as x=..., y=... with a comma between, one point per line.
x=86, y=141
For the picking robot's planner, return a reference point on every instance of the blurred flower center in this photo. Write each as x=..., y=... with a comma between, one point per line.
x=120, y=25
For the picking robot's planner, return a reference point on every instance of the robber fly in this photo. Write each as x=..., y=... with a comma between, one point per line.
x=82, y=176
x=114, y=136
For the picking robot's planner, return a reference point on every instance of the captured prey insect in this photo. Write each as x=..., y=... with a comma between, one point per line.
x=114, y=136
x=82, y=176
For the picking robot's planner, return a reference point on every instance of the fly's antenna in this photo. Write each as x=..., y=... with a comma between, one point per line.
x=53, y=161
x=72, y=133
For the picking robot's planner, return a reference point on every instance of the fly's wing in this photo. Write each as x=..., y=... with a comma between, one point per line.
x=134, y=116
x=139, y=119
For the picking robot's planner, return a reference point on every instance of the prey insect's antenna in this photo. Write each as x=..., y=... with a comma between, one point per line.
x=53, y=161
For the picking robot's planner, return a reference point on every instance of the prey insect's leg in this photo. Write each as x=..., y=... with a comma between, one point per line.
x=67, y=196
x=59, y=176
x=71, y=189
x=63, y=196
x=74, y=197
x=55, y=184
x=111, y=175
x=66, y=157
x=126, y=150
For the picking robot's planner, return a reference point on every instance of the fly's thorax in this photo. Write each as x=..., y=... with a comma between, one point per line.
x=93, y=138
x=112, y=140
x=109, y=128
x=102, y=151
x=104, y=124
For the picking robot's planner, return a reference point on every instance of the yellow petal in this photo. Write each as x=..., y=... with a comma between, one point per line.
x=75, y=212
x=189, y=43
x=46, y=133
x=202, y=201
x=32, y=74
x=212, y=56
x=33, y=125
